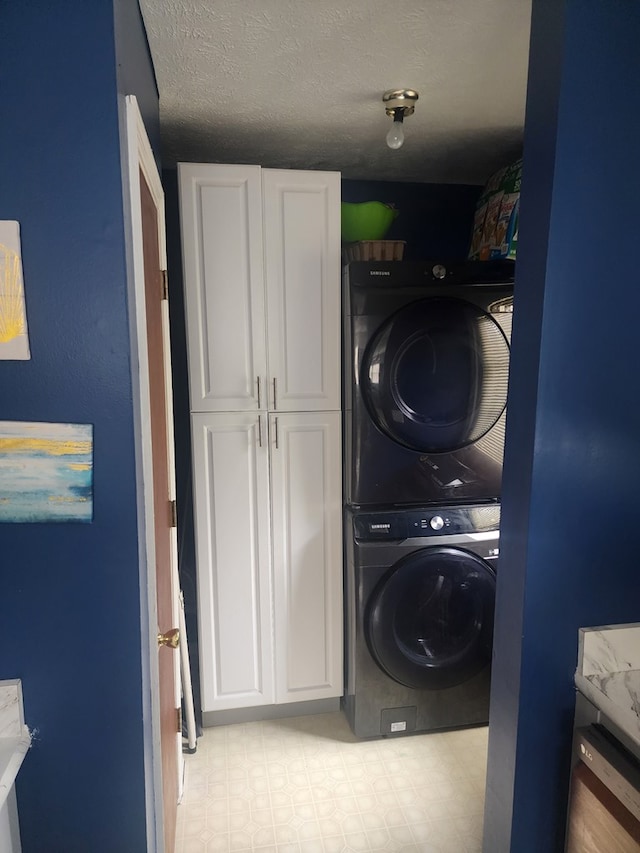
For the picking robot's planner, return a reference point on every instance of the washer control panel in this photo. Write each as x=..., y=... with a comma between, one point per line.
x=425, y=522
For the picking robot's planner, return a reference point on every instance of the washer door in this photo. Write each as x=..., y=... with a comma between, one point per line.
x=429, y=623
x=434, y=376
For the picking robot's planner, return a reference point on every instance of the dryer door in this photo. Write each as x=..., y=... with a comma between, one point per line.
x=434, y=376
x=429, y=623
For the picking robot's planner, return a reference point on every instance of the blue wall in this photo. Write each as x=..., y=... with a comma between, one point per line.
x=435, y=220
x=568, y=553
x=135, y=72
x=70, y=602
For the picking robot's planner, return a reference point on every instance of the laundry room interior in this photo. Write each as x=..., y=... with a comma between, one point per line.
x=374, y=619
x=386, y=600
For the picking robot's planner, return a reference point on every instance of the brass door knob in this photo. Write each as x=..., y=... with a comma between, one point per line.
x=170, y=638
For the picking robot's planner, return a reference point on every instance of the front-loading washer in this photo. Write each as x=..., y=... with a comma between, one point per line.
x=420, y=597
x=426, y=368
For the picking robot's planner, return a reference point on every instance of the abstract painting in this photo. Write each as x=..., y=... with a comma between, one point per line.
x=46, y=472
x=14, y=338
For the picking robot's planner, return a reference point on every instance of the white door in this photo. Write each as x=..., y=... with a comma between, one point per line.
x=165, y=542
x=231, y=496
x=307, y=554
x=302, y=269
x=159, y=583
x=221, y=222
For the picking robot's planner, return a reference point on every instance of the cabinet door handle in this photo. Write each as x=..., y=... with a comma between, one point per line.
x=275, y=406
x=276, y=426
x=260, y=430
x=258, y=381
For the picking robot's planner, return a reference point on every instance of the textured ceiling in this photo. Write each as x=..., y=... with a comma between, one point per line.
x=299, y=83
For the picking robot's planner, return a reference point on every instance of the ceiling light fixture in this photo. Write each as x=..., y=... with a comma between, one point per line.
x=398, y=103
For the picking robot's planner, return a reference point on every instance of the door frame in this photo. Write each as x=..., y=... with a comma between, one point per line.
x=137, y=156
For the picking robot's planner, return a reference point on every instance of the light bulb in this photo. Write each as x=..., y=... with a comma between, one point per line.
x=395, y=137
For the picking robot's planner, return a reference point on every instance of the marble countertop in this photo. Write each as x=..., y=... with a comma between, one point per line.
x=12, y=753
x=608, y=673
x=15, y=738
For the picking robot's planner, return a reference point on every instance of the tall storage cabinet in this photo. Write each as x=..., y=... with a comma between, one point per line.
x=261, y=254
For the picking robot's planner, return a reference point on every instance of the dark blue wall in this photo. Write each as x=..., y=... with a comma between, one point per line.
x=435, y=220
x=135, y=72
x=70, y=602
x=568, y=553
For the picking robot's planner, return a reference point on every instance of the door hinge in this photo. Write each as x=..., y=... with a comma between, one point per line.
x=173, y=510
x=179, y=720
x=165, y=284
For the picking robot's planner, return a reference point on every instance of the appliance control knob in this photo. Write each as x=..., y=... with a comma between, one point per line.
x=437, y=522
x=439, y=271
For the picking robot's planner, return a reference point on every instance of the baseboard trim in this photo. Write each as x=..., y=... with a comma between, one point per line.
x=269, y=712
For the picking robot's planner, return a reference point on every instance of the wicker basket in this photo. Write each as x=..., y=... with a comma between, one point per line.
x=373, y=250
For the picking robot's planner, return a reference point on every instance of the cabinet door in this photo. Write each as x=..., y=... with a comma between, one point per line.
x=307, y=554
x=598, y=820
x=302, y=268
x=221, y=222
x=231, y=495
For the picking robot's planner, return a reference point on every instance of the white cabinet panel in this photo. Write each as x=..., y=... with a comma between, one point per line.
x=231, y=497
x=307, y=554
x=221, y=220
x=261, y=256
x=302, y=270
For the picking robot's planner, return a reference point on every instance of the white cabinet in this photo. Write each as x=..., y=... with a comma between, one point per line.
x=250, y=235
x=261, y=255
x=221, y=217
x=246, y=658
x=231, y=512
x=307, y=554
x=302, y=269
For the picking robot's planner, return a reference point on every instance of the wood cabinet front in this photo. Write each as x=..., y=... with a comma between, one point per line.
x=598, y=822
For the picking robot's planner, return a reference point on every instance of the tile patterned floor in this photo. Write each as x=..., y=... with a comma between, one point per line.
x=306, y=785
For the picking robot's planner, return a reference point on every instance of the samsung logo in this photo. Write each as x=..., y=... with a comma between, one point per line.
x=380, y=526
x=379, y=272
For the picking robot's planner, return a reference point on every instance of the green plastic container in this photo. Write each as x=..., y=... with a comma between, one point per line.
x=369, y=220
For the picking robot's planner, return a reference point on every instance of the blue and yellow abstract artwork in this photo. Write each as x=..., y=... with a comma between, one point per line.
x=46, y=472
x=14, y=336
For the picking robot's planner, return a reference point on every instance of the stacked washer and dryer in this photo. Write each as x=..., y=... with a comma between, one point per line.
x=426, y=367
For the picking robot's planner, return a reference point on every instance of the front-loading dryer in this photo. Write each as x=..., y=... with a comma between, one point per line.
x=426, y=368
x=420, y=596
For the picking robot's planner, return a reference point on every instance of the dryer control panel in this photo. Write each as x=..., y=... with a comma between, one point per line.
x=427, y=522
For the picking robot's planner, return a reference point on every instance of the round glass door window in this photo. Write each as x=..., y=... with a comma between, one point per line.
x=429, y=622
x=435, y=375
